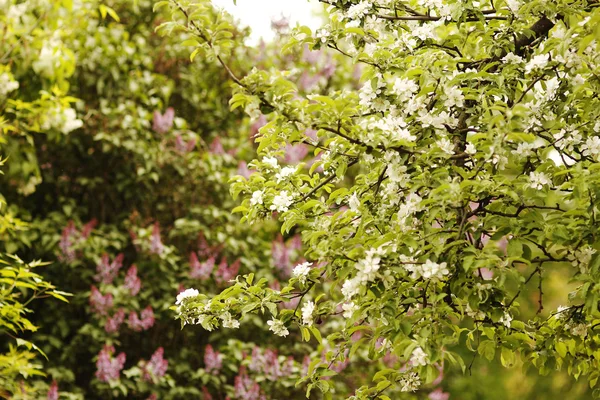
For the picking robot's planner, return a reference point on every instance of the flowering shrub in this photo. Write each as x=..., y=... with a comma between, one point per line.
x=120, y=154
x=454, y=183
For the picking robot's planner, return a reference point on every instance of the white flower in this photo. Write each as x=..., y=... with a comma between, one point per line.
x=282, y=202
x=284, y=173
x=187, y=293
x=505, y=320
x=354, y=202
x=48, y=60
x=307, y=312
x=301, y=271
x=351, y=288
x=445, y=145
x=470, y=149
x=257, y=197
x=70, y=121
x=228, y=321
x=428, y=270
x=537, y=62
x=277, y=327
x=513, y=5
x=434, y=270
x=579, y=330
x=410, y=382
x=349, y=309
x=405, y=88
x=419, y=357
x=454, y=97
x=539, y=180
x=359, y=10
x=512, y=58
x=63, y=119
x=368, y=267
x=591, y=147
x=7, y=84
x=271, y=162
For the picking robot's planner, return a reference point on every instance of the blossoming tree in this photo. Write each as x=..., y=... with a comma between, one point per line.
x=449, y=187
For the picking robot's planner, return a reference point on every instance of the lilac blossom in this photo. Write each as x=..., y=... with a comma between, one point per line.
x=108, y=368
x=106, y=271
x=213, y=360
x=156, y=244
x=162, y=123
x=113, y=323
x=100, y=304
x=201, y=270
x=144, y=323
x=132, y=281
x=156, y=367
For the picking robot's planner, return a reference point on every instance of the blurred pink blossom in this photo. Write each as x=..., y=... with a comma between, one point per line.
x=53, y=391
x=162, y=123
x=246, y=388
x=156, y=367
x=113, y=323
x=244, y=171
x=200, y=270
x=295, y=153
x=184, y=147
x=256, y=125
x=106, y=270
x=144, y=323
x=132, y=281
x=156, y=244
x=108, y=368
x=100, y=304
x=226, y=273
x=439, y=394
x=216, y=147
x=213, y=360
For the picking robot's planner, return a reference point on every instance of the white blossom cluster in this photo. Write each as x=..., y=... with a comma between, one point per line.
x=7, y=83
x=428, y=270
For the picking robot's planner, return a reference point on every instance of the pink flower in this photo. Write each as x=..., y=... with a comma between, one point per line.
x=153, y=396
x=311, y=56
x=114, y=323
x=295, y=153
x=163, y=123
x=100, y=304
x=282, y=253
x=244, y=171
x=204, y=249
x=226, y=273
x=439, y=394
x=216, y=147
x=156, y=367
x=200, y=270
x=53, y=391
x=108, y=368
x=213, y=360
x=206, y=394
x=144, y=323
x=106, y=270
x=66, y=242
x=255, y=127
x=88, y=228
x=245, y=387
x=485, y=273
x=132, y=281
x=156, y=245
x=184, y=147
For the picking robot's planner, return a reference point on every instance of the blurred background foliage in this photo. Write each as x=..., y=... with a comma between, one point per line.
x=119, y=154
